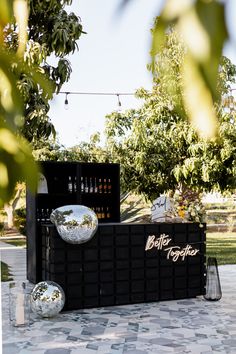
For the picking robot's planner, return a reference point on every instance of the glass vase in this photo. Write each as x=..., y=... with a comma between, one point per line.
x=19, y=304
x=213, y=288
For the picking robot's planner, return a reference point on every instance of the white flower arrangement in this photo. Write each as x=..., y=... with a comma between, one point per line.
x=188, y=206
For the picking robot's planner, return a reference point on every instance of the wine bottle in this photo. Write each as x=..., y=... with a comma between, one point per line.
x=86, y=188
x=108, y=214
x=98, y=213
x=90, y=185
x=70, y=186
x=38, y=215
x=43, y=216
x=100, y=189
x=109, y=186
x=102, y=213
x=105, y=185
x=75, y=184
x=48, y=212
x=95, y=185
x=82, y=184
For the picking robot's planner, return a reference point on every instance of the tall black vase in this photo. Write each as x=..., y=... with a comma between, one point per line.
x=213, y=288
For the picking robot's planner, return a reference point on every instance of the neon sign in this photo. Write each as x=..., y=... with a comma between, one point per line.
x=173, y=252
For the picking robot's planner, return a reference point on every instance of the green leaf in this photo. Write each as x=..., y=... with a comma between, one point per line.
x=198, y=101
x=16, y=163
x=9, y=94
x=6, y=12
x=212, y=17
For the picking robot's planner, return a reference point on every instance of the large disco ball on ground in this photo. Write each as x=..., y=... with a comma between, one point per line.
x=75, y=223
x=47, y=299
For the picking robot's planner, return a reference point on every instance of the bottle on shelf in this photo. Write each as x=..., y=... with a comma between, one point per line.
x=98, y=213
x=43, y=215
x=86, y=187
x=38, y=215
x=100, y=187
x=102, y=213
x=70, y=185
x=82, y=184
x=95, y=189
x=108, y=213
x=90, y=185
x=47, y=214
x=109, y=186
x=75, y=184
x=105, y=185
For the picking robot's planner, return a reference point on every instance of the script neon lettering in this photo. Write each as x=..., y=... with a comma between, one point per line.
x=158, y=243
x=176, y=252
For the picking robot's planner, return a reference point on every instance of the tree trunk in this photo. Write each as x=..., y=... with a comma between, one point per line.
x=10, y=208
x=10, y=219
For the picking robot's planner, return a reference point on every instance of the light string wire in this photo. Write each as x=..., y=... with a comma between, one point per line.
x=117, y=94
x=98, y=93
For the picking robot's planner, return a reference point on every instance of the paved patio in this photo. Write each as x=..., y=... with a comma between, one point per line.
x=184, y=326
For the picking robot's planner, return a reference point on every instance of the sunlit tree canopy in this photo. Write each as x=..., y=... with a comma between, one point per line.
x=30, y=32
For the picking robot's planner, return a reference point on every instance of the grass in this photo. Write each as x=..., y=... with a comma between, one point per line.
x=16, y=242
x=222, y=245
x=5, y=274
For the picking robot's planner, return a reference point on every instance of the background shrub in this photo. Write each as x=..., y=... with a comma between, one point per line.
x=20, y=220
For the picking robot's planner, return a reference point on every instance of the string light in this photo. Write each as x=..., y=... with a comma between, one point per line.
x=118, y=97
x=98, y=93
x=67, y=93
x=66, y=103
x=230, y=98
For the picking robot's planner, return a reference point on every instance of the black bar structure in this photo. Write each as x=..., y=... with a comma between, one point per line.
x=122, y=263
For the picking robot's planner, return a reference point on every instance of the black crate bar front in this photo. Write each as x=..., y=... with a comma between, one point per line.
x=123, y=263
x=126, y=264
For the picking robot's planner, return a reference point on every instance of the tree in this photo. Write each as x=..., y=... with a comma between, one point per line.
x=158, y=147
x=27, y=81
x=89, y=151
x=202, y=25
x=51, y=31
x=84, y=152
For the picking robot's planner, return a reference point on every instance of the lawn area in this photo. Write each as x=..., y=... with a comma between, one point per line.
x=222, y=245
x=5, y=275
x=17, y=242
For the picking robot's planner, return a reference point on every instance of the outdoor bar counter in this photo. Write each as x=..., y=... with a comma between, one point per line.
x=122, y=263
x=127, y=263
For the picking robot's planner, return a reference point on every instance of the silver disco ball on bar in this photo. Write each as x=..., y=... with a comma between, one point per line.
x=75, y=223
x=47, y=299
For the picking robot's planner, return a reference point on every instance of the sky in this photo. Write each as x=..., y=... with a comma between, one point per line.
x=112, y=58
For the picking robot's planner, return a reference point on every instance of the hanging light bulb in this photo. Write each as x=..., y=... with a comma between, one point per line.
x=118, y=97
x=119, y=102
x=66, y=103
